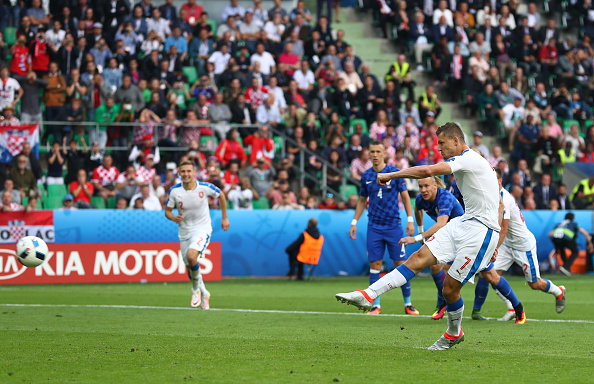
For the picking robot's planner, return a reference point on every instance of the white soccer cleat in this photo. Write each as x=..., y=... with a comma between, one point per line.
x=195, y=299
x=509, y=315
x=560, y=301
x=446, y=342
x=356, y=298
x=205, y=302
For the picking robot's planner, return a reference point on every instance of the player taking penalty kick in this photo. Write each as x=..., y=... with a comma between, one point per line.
x=469, y=241
x=195, y=229
x=384, y=228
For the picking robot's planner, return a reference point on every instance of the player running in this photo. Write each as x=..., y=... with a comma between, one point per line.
x=518, y=245
x=469, y=240
x=441, y=206
x=195, y=229
x=384, y=228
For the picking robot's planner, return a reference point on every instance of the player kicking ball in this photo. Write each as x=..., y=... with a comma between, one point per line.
x=195, y=229
x=518, y=245
x=469, y=241
x=384, y=228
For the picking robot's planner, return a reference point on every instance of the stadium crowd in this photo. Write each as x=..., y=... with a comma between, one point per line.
x=186, y=78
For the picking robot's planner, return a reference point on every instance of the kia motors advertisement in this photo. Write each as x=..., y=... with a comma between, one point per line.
x=108, y=263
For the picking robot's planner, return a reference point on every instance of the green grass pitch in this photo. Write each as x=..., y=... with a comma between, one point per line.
x=111, y=334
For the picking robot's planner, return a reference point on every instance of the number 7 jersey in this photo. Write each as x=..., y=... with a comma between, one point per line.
x=193, y=205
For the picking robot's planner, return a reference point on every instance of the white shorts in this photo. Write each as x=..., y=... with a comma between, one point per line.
x=528, y=260
x=469, y=244
x=199, y=241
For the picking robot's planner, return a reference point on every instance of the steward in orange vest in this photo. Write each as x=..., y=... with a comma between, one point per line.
x=305, y=250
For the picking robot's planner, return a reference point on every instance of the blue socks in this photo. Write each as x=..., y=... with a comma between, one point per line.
x=507, y=291
x=438, y=278
x=374, y=275
x=406, y=293
x=451, y=307
x=480, y=293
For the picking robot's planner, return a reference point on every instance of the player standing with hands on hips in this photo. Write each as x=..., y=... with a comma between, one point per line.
x=384, y=228
x=190, y=198
x=469, y=240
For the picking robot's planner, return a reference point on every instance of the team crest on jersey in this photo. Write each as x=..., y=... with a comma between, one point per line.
x=201, y=194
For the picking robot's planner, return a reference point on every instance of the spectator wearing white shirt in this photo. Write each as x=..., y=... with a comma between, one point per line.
x=443, y=11
x=260, y=14
x=243, y=195
x=268, y=113
x=305, y=77
x=512, y=118
x=533, y=16
x=233, y=9
x=267, y=63
x=150, y=202
x=220, y=59
x=279, y=95
x=286, y=204
x=157, y=189
x=128, y=183
x=275, y=28
x=158, y=24
x=55, y=36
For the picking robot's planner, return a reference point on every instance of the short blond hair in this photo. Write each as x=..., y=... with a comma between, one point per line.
x=186, y=162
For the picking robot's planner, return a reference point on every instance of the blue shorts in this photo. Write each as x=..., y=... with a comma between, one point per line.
x=380, y=238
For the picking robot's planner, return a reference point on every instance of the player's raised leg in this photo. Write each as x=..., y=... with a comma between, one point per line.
x=398, y=254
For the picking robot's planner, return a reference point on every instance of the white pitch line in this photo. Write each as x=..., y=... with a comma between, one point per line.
x=255, y=311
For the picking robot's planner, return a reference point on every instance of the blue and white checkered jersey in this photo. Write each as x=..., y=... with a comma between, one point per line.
x=193, y=205
x=383, y=200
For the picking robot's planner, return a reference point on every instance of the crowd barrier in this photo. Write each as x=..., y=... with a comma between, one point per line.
x=119, y=246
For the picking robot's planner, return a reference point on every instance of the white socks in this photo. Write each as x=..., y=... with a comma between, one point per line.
x=455, y=322
x=390, y=281
x=506, y=301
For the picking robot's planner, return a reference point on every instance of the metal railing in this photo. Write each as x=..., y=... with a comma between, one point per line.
x=300, y=168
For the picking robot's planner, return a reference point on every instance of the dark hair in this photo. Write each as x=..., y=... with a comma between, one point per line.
x=451, y=130
x=570, y=216
x=499, y=173
x=229, y=135
x=376, y=142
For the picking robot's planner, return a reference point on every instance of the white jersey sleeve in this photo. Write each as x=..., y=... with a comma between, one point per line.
x=518, y=235
x=193, y=206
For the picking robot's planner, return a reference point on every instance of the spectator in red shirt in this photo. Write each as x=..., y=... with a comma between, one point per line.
x=261, y=144
x=548, y=57
x=231, y=175
x=254, y=95
x=230, y=149
x=104, y=177
x=328, y=202
x=290, y=59
x=82, y=190
x=39, y=50
x=430, y=148
x=194, y=11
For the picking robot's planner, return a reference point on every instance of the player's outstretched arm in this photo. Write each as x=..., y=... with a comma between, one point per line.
x=358, y=212
x=224, y=219
x=419, y=172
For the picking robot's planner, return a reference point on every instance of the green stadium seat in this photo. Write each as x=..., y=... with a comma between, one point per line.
x=213, y=26
x=25, y=201
x=111, y=202
x=56, y=190
x=10, y=36
x=191, y=73
x=263, y=203
x=348, y=190
x=568, y=123
x=363, y=124
x=278, y=144
x=53, y=202
x=98, y=202
x=208, y=143
x=230, y=204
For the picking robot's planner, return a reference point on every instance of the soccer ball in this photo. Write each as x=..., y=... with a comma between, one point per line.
x=31, y=251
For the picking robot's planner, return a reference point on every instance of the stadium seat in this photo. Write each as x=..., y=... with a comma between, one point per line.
x=230, y=204
x=347, y=190
x=363, y=124
x=213, y=26
x=53, y=202
x=98, y=202
x=111, y=202
x=568, y=123
x=208, y=143
x=25, y=201
x=56, y=190
x=278, y=144
x=191, y=73
x=263, y=203
x=10, y=35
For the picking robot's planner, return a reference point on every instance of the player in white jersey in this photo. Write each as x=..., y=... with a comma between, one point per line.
x=469, y=241
x=518, y=245
x=190, y=198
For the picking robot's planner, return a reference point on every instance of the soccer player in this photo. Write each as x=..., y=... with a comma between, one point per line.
x=441, y=206
x=195, y=229
x=469, y=240
x=384, y=228
x=518, y=245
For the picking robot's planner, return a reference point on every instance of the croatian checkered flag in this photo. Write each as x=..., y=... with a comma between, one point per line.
x=12, y=138
x=16, y=229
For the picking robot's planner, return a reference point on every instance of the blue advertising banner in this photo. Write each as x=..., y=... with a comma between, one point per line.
x=256, y=241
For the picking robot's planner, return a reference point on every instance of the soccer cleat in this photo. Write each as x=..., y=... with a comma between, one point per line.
x=564, y=271
x=560, y=302
x=509, y=315
x=195, y=299
x=356, y=298
x=410, y=310
x=522, y=319
x=375, y=311
x=439, y=312
x=446, y=342
x=476, y=315
x=205, y=304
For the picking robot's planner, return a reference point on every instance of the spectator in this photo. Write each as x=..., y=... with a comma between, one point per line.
x=573, y=136
x=82, y=190
x=547, y=149
x=328, y=202
x=39, y=53
x=478, y=144
x=7, y=117
x=361, y=164
x=276, y=190
x=230, y=149
x=128, y=183
x=129, y=91
x=104, y=178
x=334, y=173
x=55, y=164
x=260, y=175
x=554, y=129
x=68, y=203
x=105, y=114
x=563, y=198
x=420, y=37
x=243, y=195
x=286, y=204
x=544, y=192
x=12, y=91
x=335, y=146
x=428, y=102
x=548, y=57
x=20, y=64
x=23, y=178
x=150, y=202
x=268, y=113
x=54, y=97
x=261, y=146
x=9, y=187
x=526, y=139
x=7, y=205
x=511, y=116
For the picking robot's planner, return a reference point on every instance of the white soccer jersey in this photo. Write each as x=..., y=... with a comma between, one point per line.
x=193, y=205
x=478, y=184
x=518, y=235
